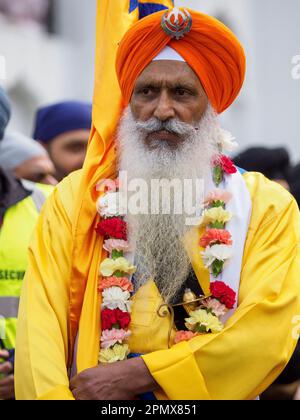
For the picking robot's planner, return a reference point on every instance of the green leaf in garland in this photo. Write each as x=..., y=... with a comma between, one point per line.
x=116, y=254
x=218, y=175
x=116, y=326
x=218, y=203
x=217, y=267
x=119, y=273
x=210, y=311
x=200, y=329
x=217, y=225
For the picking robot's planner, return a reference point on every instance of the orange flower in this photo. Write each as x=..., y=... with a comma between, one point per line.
x=123, y=282
x=184, y=336
x=215, y=236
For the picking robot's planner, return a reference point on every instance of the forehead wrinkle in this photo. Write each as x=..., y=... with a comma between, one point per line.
x=168, y=76
x=161, y=81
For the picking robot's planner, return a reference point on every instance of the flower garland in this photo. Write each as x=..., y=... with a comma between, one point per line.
x=217, y=241
x=115, y=286
x=217, y=244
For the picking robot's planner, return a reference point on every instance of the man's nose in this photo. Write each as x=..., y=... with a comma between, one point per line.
x=165, y=107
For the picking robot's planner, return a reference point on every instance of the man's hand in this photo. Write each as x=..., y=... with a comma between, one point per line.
x=297, y=395
x=7, y=389
x=117, y=381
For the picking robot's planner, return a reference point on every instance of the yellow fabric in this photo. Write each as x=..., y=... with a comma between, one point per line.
x=238, y=363
x=113, y=20
x=15, y=233
x=42, y=336
x=246, y=357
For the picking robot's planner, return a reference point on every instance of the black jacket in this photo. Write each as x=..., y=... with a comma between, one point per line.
x=11, y=192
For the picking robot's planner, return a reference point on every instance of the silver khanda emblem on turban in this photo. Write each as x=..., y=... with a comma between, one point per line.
x=177, y=22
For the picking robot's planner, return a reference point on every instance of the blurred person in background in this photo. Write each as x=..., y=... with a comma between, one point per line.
x=275, y=164
x=294, y=182
x=25, y=11
x=63, y=129
x=26, y=159
x=19, y=209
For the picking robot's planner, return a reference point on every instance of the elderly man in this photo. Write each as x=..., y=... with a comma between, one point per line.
x=124, y=302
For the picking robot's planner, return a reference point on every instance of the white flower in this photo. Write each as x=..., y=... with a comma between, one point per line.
x=114, y=298
x=226, y=140
x=216, y=252
x=112, y=204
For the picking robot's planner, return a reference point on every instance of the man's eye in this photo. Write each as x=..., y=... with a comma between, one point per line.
x=75, y=148
x=180, y=92
x=146, y=91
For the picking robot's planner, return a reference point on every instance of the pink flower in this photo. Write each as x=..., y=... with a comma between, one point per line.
x=111, y=337
x=123, y=282
x=117, y=244
x=216, y=236
x=217, y=195
x=184, y=336
x=107, y=185
x=216, y=306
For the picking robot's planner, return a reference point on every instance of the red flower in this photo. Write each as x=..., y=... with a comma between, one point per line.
x=226, y=164
x=218, y=289
x=110, y=318
x=223, y=293
x=114, y=228
x=229, y=299
x=123, y=318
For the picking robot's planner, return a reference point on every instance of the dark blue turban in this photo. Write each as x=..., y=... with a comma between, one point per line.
x=57, y=119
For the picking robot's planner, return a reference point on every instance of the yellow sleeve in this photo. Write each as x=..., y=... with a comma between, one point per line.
x=259, y=339
x=42, y=334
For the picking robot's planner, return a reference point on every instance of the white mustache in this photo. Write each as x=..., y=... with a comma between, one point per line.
x=173, y=126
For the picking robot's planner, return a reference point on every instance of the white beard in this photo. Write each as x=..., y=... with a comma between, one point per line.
x=159, y=251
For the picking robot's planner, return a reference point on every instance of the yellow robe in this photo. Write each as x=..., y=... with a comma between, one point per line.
x=238, y=363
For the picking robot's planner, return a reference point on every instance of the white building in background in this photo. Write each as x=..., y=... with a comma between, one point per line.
x=37, y=69
x=267, y=111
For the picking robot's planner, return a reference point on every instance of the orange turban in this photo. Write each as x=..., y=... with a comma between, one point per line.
x=210, y=49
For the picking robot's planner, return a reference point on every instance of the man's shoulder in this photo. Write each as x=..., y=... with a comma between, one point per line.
x=70, y=183
x=67, y=190
x=268, y=197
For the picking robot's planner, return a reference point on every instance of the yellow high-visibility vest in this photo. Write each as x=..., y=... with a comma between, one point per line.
x=15, y=233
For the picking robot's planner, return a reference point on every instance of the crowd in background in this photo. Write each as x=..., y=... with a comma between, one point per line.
x=29, y=169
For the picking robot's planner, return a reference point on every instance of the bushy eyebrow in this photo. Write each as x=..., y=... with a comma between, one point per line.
x=157, y=84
